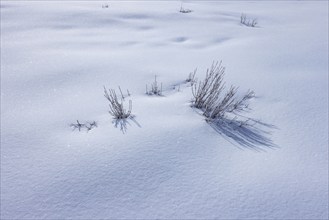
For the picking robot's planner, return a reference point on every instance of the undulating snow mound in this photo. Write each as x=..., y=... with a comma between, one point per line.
x=168, y=162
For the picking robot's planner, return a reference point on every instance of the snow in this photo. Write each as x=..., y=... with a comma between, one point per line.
x=57, y=56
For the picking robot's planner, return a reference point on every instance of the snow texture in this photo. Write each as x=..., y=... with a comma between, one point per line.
x=169, y=162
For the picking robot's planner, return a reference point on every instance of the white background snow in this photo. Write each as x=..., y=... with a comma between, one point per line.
x=57, y=56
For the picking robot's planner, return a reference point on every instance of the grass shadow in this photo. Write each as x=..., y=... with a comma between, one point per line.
x=250, y=134
x=125, y=122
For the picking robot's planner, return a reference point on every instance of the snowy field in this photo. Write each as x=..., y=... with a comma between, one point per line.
x=170, y=163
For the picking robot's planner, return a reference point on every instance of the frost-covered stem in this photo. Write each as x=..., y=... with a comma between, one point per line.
x=116, y=108
x=191, y=77
x=121, y=93
x=209, y=98
x=208, y=90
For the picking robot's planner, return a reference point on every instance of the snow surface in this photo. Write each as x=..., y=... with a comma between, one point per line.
x=57, y=56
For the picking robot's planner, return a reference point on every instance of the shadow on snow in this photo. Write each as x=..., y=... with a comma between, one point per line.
x=123, y=123
x=252, y=136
